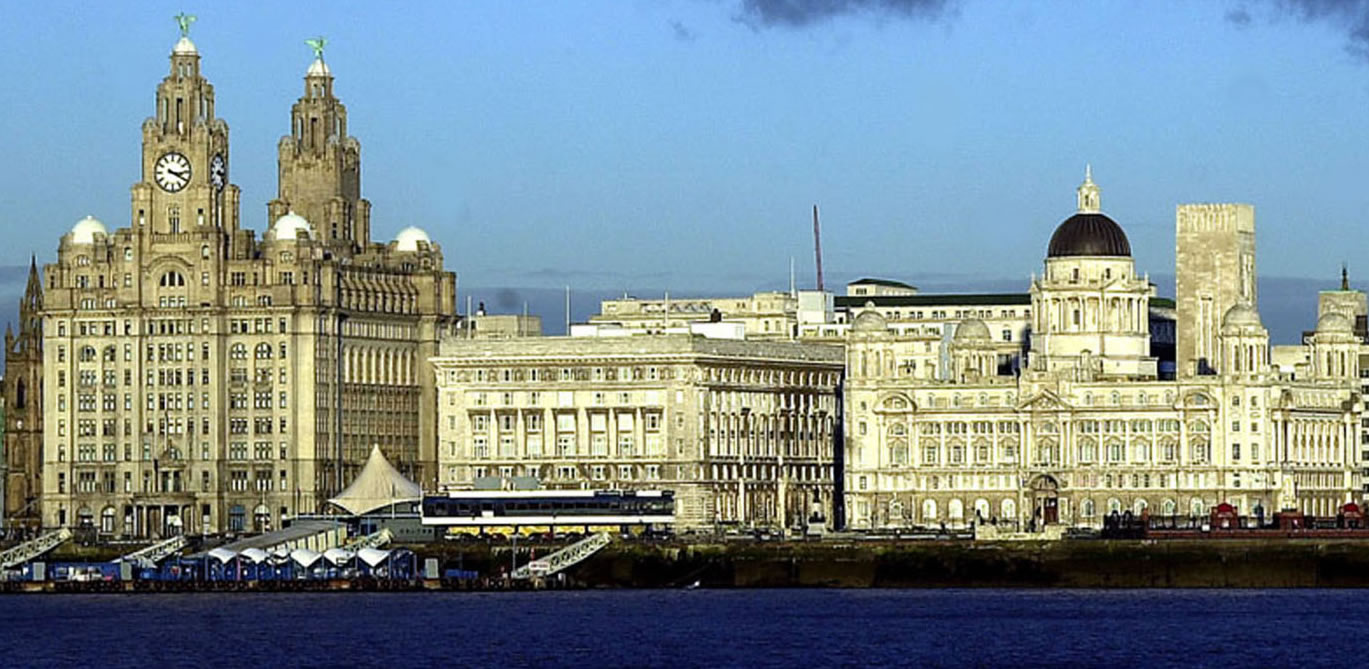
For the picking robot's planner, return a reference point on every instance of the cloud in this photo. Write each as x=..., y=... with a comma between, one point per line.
x=803, y=13
x=1349, y=16
x=1238, y=16
x=682, y=31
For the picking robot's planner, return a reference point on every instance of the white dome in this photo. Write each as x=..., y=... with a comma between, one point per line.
x=288, y=226
x=971, y=329
x=1336, y=322
x=1241, y=315
x=318, y=69
x=408, y=238
x=869, y=321
x=184, y=47
x=85, y=230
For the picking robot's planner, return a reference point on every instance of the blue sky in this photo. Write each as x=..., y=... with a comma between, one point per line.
x=649, y=145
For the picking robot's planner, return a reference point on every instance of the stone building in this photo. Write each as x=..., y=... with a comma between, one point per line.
x=740, y=430
x=1087, y=427
x=196, y=378
x=23, y=392
x=766, y=315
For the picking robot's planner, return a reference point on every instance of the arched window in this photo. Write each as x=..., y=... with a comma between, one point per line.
x=928, y=509
x=1086, y=508
x=172, y=279
x=107, y=520
x=238, y=352
x=263, y=351
x=88, y=354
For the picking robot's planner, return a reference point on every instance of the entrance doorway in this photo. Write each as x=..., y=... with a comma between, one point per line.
x=1045, y=494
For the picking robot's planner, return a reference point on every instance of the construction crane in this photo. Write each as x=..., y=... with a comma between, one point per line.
x=817, y=245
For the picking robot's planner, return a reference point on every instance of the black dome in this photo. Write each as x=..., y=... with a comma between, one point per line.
x=1089, y=234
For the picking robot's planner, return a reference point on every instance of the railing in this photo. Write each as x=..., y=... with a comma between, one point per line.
x=158, y=551
x=564, y=558
x=32, y=549
x=375, y=540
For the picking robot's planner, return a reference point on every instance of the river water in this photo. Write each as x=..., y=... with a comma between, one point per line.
x=698, y=628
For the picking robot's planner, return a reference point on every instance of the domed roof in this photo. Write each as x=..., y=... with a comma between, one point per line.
x=85, y=230
x=287, y=227
x=1241, y=315
x=869, y=321
x=184, y=47
x=1089, y=234
x=971, y=329
x=318, y=69
x=408, y=238
x=1335, y=322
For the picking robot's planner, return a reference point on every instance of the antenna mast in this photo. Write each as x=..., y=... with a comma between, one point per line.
x=817, y=245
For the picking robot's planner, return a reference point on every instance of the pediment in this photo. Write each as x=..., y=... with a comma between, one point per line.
x=1044, y=400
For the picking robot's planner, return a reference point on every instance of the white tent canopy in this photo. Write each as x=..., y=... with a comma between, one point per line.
x=377, y=486
x=222, y=554
x=255, y=555
x=338, y=556
x=373, y=556
x=305, y=557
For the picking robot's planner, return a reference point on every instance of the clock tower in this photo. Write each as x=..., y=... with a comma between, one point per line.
x=184, y=186
x=320, y=165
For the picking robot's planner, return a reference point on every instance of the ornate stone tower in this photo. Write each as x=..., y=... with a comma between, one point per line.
x=184, y=187
x=24, y=407
x=1090, y=308
x=1214, y=270
x=320, y=165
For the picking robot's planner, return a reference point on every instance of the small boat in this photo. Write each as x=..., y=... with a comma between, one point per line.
x=692, y=586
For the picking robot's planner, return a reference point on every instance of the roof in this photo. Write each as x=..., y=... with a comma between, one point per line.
x=881, y=282
x=1089, y=234
x=951, y=299
x=377, y=486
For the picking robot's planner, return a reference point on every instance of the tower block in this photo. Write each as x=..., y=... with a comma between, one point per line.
x=1214, y=270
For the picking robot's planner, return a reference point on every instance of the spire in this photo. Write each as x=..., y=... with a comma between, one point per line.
x=1344, y=277
x=34, y=282
x=1088, y=193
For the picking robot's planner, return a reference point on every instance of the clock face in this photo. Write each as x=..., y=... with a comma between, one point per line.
x=218, y=173
x=172, y=172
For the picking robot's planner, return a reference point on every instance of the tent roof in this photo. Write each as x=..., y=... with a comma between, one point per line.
x=377, y=486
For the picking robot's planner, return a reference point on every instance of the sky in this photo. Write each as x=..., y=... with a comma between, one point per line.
x=642, y=146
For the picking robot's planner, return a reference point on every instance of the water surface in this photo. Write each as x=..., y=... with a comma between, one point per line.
x=699, y=628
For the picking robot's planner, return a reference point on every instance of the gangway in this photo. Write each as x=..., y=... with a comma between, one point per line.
x=564, y=558
x=32, y=549
x=157, y=552
x=374, y=540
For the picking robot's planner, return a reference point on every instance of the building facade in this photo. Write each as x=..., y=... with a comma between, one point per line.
x=740, y=430
x=1089, y=428
x=766, y=315
x=24, y=410
x=197, y=379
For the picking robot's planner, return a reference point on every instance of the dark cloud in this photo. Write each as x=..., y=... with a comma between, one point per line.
x=802, y=13
x=1238, y=16
x=682, y=31
x=1349, y=16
